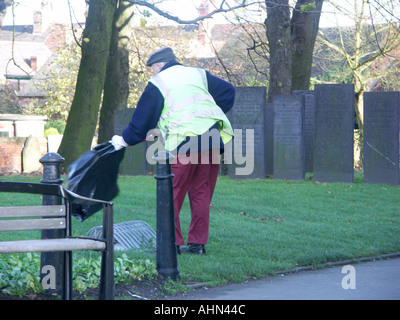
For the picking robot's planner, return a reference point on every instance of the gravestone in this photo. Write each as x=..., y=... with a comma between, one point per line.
x=134, y=162
x=269, y=138
x=381, y=137
x=308, y=99
x=334, y=133
x=288, y=138
x=248, y=113
x=31, y=155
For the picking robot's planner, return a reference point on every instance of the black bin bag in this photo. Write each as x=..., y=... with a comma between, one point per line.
x=94, y=175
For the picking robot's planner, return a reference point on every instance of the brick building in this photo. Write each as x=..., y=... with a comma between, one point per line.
x=28, y=41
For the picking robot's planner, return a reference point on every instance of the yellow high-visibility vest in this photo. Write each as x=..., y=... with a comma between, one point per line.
x=189, y=109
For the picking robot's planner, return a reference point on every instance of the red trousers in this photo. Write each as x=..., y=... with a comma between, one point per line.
x=197, y=179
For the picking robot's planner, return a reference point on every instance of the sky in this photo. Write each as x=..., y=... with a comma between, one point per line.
x=185, y=9
x=23, y=11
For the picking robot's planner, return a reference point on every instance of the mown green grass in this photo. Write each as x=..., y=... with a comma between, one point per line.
x=258, y=227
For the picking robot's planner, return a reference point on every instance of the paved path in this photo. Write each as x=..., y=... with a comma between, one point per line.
x=373, y=280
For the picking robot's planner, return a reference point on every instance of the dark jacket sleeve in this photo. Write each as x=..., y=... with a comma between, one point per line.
x=145, y=117
x=222, y=92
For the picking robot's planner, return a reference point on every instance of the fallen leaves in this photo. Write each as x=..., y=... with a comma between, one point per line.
x=265, y=218
x=280, y=219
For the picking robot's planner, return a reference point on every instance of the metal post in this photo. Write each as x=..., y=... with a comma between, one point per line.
x=107, y=259
x=51, y=174
x=167, y=262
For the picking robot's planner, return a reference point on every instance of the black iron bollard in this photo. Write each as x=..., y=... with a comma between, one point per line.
x=52, y=174
x=167, y=262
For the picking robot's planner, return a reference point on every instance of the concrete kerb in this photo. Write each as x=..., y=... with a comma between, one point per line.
x=340, y=263
x=201, y=285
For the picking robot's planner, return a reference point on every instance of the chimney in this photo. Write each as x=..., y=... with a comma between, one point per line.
x=37, y=22
x=203, y=11
x=34, y=63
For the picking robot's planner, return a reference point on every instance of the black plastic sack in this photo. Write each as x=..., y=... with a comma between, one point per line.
x=94, y=175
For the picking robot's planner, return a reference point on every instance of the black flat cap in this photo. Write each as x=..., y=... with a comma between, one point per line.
x=161, y=55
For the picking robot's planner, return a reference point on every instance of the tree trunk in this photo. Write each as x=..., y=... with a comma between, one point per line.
x=359, y=111
x=116, y=87
x=82, y=119
x=278, y=34
x=304, y=25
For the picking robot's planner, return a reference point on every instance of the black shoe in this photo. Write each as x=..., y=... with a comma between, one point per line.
x=184, y=249
x=197, y=248
x=178, y=250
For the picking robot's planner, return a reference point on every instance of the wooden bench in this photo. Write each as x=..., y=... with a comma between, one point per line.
x=46, y=217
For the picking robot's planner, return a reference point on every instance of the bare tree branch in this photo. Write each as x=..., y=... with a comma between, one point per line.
x=72, y=25
x=12, y=59
x=164, y=14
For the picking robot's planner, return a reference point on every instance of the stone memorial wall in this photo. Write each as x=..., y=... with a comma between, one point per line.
x=269, y=139
x=248, y=113
x=308, y=99
x=334, y=133
x=381, y=137
x=309, y=131
x=288, y=138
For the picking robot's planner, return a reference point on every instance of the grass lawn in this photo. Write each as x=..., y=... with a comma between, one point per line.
x=258, y=227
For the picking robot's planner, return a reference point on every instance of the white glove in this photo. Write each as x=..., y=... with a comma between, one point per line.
x=118, y=142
